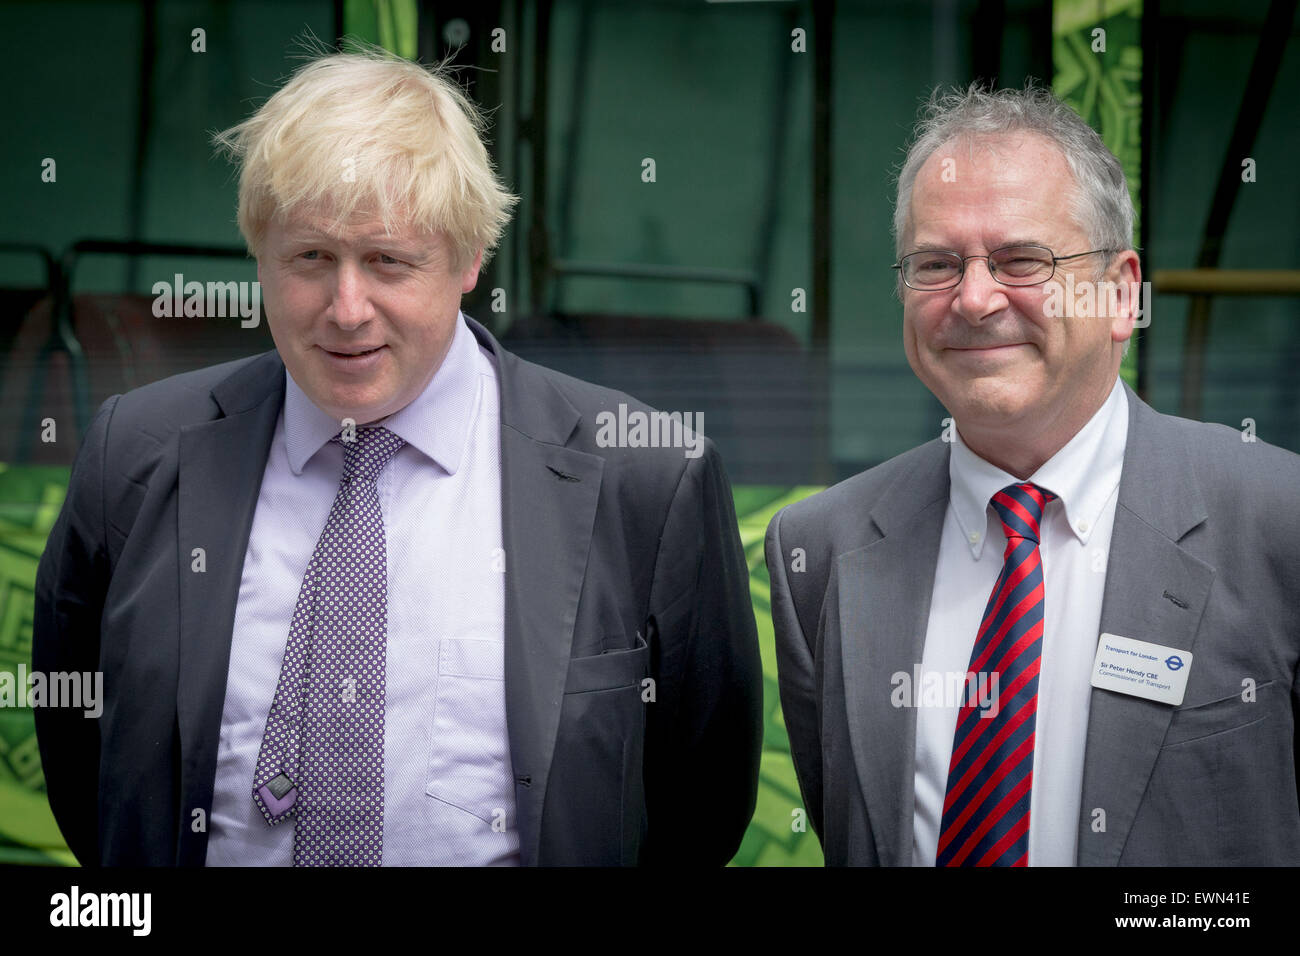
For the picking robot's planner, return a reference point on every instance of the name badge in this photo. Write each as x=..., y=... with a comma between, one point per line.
x=1140, y=668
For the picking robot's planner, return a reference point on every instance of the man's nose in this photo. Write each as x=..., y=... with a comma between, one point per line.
x=979, y=294
x=351, y=304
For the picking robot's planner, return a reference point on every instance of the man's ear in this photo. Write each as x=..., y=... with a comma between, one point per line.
x=1126, y=272
x=469, y=278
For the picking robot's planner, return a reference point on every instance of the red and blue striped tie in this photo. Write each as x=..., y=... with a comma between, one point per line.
x=990, y=776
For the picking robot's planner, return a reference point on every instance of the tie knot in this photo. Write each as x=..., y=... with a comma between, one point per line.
x=365, y=458
x=1021, y=509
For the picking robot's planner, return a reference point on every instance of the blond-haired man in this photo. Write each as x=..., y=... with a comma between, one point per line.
x=380, y=596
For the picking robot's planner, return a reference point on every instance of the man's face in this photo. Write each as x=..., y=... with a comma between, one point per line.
x=991, y=353
x=327, y=295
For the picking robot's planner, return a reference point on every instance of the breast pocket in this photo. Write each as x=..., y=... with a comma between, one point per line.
x=469, y=756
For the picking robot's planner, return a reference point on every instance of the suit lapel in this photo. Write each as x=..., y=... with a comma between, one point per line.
x=1159, y=502
x=884, y=606
x=548, y=508
x=220, y=467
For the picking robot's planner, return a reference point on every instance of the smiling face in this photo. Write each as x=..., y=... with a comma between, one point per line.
x=1018, y=381
x=326, y=295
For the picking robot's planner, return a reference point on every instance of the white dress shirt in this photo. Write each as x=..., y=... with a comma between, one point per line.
x=448, y=785
x=1074, y=546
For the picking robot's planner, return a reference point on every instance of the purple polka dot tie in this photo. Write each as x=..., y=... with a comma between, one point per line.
x=322, y=756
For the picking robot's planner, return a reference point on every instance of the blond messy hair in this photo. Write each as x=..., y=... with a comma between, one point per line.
x=368, y=133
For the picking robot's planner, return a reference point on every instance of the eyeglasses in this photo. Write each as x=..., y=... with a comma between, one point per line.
x=1011, y=265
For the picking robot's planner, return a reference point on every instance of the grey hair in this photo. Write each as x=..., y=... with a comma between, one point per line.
x=1102, y=205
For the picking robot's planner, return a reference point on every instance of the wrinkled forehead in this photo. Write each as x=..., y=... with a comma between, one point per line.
x=988, y=157
x=1018, y=182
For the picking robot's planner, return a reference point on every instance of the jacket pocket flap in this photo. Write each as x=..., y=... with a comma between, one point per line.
x=1228, y=713
x=608, y=671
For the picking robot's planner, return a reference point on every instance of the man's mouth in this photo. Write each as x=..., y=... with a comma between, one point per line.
x=351, y=353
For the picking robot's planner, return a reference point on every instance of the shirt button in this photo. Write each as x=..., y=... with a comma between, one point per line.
x=1083, y=527
x=974, y=537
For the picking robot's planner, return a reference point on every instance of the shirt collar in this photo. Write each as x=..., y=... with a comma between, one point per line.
x=436, y=422
x=1083, y=474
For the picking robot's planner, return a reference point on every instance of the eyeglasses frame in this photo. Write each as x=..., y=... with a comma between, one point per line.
x=988, y=262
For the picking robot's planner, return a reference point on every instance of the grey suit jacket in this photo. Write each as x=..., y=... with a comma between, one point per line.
x=1205, y=556
x=621, y=564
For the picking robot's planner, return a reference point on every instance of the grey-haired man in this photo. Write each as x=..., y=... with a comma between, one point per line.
x=1067, y=634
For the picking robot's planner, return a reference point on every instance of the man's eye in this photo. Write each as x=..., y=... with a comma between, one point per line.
x=387, y=259
x=311, y=254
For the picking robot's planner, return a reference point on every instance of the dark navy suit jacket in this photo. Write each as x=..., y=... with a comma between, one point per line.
x=621, y=564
